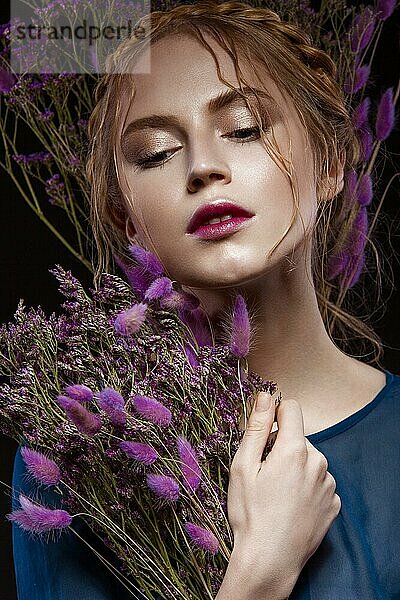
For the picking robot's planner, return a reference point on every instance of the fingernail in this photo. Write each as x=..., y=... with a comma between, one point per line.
x=264, y=401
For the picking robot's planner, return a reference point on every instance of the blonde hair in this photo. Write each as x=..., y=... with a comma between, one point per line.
x=305, y=73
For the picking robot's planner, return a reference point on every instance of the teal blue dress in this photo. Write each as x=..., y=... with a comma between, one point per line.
x=358, y=559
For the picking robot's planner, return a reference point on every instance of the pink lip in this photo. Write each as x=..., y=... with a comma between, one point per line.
x=221, y=229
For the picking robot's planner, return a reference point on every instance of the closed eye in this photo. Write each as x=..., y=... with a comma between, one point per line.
x=158, y=159
x=243, y=130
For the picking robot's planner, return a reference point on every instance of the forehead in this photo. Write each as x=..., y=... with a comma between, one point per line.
x=183, y=76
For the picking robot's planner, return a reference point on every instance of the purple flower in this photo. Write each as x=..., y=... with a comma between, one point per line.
x=129, y=321
x=360, y=113
x=46, y=115
x=173, y=301
x=385, y=8
x=366, y=141
x=113, y=404
x=337, y=264
x=180, y=300
x=161, y=287
x=360, y=263
x=358, y=235
x=163, y=486
x=34, y=157
x=42, y=468
x=385, y=116
x=349, y=262
x=110, y=397
x=351, y=273
x=191, y=356
x=189, y=464
x=362, y=30
x=143, y=453
x=352, y=85
x=74, y=161
x=147, y=260
x=7, y=81
x=138, y=279
x=152, y=410
x=197, y=322
x=37, y=518
x=351, y=183
x=364, y=190
x=79, y=392
x=55, y=188
x=84, y=420
x=202, y=538
x=5, y=29
x=240, y=328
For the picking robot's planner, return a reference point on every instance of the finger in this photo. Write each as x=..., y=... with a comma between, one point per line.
x=258, y=428
x=289, y=417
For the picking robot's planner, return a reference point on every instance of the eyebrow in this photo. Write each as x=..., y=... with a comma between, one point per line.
x=213, y=106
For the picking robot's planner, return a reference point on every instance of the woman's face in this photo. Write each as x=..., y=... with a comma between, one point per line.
x=201, y=160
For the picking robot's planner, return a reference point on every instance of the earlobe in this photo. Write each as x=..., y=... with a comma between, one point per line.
x=334, y=183
x=130, y=230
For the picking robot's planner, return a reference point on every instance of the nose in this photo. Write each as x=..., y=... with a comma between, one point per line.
x=205, y=171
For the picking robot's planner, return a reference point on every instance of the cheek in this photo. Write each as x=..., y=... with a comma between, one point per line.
x=269, y=192
x=152, y=219
x=158, y=230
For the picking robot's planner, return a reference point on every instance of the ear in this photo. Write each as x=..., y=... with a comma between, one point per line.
x=130, y=230
x=117, y=217
x=334, y=183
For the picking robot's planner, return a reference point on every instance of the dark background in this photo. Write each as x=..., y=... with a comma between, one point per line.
x=28, y=249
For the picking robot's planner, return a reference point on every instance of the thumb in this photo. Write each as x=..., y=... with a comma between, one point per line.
x=258, y=429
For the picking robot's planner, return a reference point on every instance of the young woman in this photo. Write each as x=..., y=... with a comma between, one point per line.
x=227, y=158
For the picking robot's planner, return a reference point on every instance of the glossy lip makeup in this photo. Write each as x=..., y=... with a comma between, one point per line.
x=217, y=220
x=220, y=229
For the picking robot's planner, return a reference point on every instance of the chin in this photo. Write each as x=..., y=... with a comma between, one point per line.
x=205, y=278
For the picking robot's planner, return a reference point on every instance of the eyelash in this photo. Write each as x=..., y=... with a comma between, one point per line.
x=146, y=161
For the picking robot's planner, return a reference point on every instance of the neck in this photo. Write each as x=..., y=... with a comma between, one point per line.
x=291, y=345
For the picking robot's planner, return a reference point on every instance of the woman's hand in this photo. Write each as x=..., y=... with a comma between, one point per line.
x=281, y=508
